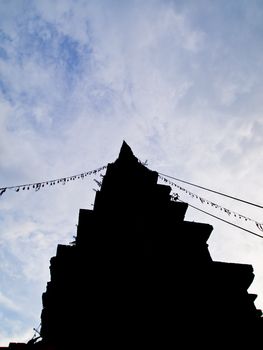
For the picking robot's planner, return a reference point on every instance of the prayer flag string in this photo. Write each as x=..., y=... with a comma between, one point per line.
x=208, y=202
x=39, y=185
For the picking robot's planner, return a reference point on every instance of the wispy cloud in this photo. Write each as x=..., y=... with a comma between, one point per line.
x=8, y=303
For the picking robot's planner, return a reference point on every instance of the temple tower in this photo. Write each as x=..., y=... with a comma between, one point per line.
x=139, y=275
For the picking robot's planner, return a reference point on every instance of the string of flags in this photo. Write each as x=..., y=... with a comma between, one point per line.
x=208, y=202
x=39, y=185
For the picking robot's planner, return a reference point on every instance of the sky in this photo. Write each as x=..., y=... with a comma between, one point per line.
x=180, y=81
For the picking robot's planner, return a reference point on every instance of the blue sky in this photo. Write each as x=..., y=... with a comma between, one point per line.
x=180, y=81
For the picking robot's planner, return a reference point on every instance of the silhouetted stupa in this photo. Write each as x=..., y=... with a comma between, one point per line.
x=139, y=276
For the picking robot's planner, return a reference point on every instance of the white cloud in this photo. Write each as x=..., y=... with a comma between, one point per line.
x=8, y=303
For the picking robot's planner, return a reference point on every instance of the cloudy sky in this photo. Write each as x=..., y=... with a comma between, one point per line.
x=180, y=81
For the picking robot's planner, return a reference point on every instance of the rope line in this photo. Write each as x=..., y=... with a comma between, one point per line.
x=213, y=191
x=214, y=205
x=218, y=218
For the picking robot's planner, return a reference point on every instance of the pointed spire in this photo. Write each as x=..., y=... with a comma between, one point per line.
x=125, y=150
x=126, y=154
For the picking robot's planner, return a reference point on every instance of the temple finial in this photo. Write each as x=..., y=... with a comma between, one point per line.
x=126, y=152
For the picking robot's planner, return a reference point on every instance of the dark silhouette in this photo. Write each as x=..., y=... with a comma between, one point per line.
x=139, y=276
